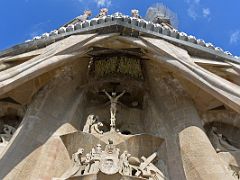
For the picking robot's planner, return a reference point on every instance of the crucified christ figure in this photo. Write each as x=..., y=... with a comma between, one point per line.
x=113, y=109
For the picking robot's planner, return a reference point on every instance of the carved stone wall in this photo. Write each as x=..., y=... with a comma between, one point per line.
x=11, y=115
x=56, y=110
x=159, y=107
x=116, y=65
x=175, y=117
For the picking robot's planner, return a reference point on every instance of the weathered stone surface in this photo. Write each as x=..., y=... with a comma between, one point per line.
x=172, y=114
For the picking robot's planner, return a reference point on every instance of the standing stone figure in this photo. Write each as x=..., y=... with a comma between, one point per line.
x=96, y=154
x=76, y=157
x=125, y=168
x=88, y=163
x=113, y=109
x=85, y=16
x=103, y=12
x=135, y=13
x=77, y=164
x=91, y=119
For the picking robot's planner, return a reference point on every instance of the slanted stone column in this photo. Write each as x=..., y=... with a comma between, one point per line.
x=190, y=154
x=36, y=150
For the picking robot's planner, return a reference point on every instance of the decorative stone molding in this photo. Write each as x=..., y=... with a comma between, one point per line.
x=103, y=18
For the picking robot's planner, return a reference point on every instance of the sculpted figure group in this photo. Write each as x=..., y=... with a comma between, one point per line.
x=7, y=134
x=220, y=142
x=109, y=161
x=92, y=125
x=103, y=12
x=135, y=14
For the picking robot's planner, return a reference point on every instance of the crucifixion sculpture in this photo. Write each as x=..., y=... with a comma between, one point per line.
x=113, y=108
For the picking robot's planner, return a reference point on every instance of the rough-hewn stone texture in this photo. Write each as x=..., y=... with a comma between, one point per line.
x=185, y=107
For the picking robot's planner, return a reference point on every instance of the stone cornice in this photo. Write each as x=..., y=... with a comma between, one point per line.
x=117, y=23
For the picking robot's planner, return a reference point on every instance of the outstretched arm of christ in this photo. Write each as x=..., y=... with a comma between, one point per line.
x=120, y=95
x=108, y=95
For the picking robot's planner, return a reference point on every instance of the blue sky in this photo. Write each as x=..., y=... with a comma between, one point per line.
x=214, y=21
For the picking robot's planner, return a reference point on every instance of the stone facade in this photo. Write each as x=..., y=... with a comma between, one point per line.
x=117, y=97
